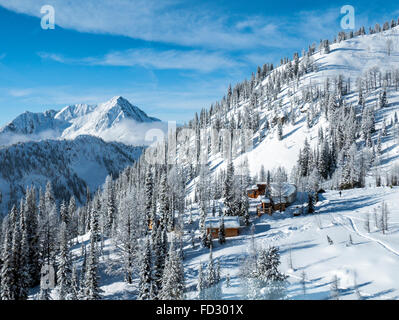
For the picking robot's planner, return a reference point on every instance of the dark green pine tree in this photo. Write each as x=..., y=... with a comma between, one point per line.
x=31, y=215
x=92, y=290
x=245, y=208
x=211, y=279
x=64, y=273
x=383, y=101
x=280, y=131
x=229, y=192
x=204, y=238
x=201, y=284
x=159, y=262
x=94, y=223
x=64, y=217
x=7, y=270
x=83, y=271
x=75, y=289
x=145, y=285
x=24, y=279
x=73, y=226
x=149, y=186
x=16, y=252
x=222, y=232
x=164, y=202
x=270, y=277
x=310, y=203
x=173, y=278
x=360, y=99
x=111, y=209
x=324, y=160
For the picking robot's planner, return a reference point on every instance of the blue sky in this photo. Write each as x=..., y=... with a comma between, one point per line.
x=169, y=57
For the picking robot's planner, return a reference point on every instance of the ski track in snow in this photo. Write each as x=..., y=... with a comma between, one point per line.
x=381, y=243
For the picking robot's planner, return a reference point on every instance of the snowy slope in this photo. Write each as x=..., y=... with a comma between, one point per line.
x=114, y=120
x=71, y=165
x=365, y=262
x=366, y=269
x=32, y=126
x=70, y=113
x=350, y=59
x=370, y=263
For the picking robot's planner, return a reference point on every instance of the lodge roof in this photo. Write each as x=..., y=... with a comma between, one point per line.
x=254, y=187
x=288, y=190
x=229, y=222
x=264, y=199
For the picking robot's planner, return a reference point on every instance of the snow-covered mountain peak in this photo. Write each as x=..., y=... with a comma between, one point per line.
x=119, y=108
x=29, y=123
x=74, y=111
x=109, y=120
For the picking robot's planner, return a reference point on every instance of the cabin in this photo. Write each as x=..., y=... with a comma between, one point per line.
x=282, y=195
x=231, y=226
x=252, y=192
x=257, y=190
x=277, y=197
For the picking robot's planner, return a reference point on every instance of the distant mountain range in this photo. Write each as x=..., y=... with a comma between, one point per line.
x=114, y=120
x=71, y=166
x=74, y=148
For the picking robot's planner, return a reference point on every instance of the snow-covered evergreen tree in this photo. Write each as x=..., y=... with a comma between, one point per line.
x=383, y=101
x=75, y=288
x=7, y=270
x=229, y=189
x=64, y=273
x=222, y=232
x=272, y=279
x=91, y=288
x=201, y=284
x=173, y=278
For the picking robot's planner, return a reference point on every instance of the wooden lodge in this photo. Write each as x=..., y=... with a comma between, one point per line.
x=282, y=195
x=257, y=190
x=231, y=226
x=273, y=197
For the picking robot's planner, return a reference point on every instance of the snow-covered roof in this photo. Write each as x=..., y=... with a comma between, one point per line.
x=254, y=187
x=276, y=200
x=264, y=199
x=229, y=222
x=287, y=190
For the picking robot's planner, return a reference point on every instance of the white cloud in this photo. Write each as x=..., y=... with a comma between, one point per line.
x=173, y=22
x=161, y=21
x=52, y=56
x=7, y=139
x=150, y=58
x=133, y=133
x=20, y=92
